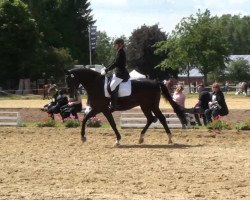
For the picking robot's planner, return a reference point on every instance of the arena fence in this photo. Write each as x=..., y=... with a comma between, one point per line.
x=10, y=119
x=138, y=120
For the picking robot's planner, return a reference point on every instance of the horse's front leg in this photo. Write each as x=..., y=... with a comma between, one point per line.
x=84, y=121
x=111, y=121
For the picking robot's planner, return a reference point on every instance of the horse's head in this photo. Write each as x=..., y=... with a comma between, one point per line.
x=72, y=83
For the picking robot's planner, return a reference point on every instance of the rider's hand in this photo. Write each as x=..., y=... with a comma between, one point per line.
x=103, y=72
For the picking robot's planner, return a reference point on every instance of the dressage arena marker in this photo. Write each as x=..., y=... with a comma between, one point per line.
x=138, y=120
x=10, y=119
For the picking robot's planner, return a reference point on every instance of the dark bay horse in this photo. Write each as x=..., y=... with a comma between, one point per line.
x=145, y=93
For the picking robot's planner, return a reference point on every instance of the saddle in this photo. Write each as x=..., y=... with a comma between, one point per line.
x=123, y=91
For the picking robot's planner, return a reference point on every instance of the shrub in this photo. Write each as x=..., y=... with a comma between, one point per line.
x=218, y=124
x=94, y=122
x=243, y=125
x=72, y=123
x=48, y=123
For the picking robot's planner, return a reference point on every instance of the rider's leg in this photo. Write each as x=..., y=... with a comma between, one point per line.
x=114, y=97
x=114, y=91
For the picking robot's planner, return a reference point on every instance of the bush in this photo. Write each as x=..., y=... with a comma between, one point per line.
x=94, y=122
x=218, y=124
x=48, y=123
x=243, y=125
x=72, y=123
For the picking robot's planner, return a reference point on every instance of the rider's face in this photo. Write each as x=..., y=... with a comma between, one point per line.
x=117, y=46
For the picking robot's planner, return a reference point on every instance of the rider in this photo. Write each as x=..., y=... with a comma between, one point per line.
x=121, y=73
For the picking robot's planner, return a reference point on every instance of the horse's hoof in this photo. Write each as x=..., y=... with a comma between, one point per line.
x=84, y=139
x=170, y=142
x=141, y=140
x=117, y=144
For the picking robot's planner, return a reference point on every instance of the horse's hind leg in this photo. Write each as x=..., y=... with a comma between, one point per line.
x=163, y=121
x=150, y=119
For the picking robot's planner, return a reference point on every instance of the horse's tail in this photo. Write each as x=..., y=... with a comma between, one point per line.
x=177, y=109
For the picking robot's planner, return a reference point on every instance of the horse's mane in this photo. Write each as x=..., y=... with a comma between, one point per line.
x=84, y=71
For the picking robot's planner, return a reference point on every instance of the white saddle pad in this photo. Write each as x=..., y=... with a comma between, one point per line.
x=124, y=88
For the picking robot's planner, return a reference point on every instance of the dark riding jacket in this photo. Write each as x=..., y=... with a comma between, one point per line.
x=221, y=101
x=119, y=65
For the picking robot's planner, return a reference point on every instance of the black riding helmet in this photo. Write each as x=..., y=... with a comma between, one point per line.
x=119, y=41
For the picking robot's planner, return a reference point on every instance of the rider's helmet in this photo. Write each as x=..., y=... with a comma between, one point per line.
x=119, y=41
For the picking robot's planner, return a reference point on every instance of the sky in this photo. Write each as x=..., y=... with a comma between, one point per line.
x=121, y=17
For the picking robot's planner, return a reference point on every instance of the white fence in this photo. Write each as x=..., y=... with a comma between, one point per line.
x=138, y=120
x=10, y=119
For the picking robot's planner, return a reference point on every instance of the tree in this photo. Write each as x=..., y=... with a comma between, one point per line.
x=196, y=41
x=19, y=40
x=140, y=50
x=237, y=31
x=104, y=49
x=239, y=70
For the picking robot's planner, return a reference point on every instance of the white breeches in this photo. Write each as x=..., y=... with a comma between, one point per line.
x=115, y=82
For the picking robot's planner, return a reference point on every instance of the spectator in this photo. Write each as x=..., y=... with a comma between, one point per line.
x=202, y=104
x=179, y=97
x=217, y=106
x=59, y=99
x=226, y=87
x=73, y=107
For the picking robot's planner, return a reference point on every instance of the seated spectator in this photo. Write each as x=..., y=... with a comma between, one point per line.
x=217, y=105
x=179, y=97
x=202, y=104
x=73, y=107
x=57, y=102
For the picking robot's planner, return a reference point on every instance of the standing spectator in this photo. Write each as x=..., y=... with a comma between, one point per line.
x=226, y=87
x=179, y=97
x=193, y=87
x=218, y=104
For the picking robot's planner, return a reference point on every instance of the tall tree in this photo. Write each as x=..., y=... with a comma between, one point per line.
x=19, y=40
x=64, y=24
x=104, y=49
x=239, y=70
x=198, y=40
x=237, y=31
x=140, y=50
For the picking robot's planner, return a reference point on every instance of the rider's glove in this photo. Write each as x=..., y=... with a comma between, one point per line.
x=103, y=72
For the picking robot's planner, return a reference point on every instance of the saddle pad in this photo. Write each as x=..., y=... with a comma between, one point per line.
x=124, y=88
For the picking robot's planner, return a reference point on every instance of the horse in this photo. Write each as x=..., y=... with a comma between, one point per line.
x=145, y=93
x=243, y=88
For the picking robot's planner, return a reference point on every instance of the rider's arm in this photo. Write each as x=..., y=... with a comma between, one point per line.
x=117, y=61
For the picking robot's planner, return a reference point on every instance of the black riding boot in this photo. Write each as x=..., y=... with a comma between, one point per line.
x=114, y=97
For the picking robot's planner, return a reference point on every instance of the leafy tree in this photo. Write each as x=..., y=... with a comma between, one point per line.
x=104, y=49
x=140, y=50
x=64, y=24
x=237, y=31
x=239, y=70
x=19, y=40
x=196, y=41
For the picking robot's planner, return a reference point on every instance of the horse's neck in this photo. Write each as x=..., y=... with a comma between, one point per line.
x=92, y=86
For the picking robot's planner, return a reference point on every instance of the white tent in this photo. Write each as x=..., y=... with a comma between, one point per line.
x=135, y=75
